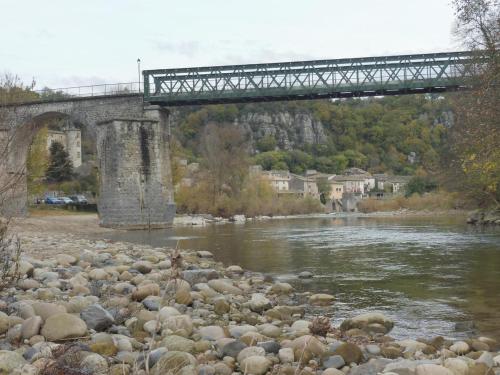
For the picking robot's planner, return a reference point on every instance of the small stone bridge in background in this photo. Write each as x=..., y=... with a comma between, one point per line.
x=130, y=122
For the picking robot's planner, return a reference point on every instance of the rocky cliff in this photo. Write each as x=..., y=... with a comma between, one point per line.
x=290, y=130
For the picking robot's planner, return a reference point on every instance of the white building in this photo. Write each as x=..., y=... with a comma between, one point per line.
x=279, y=180
x=71, y=139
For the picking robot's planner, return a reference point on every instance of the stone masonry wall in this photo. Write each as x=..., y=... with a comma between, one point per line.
x=135, y=176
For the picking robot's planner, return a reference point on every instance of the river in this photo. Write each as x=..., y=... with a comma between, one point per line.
x=427, y=273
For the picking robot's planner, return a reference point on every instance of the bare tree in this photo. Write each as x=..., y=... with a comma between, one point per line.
x=225, y=151
x=474, y=154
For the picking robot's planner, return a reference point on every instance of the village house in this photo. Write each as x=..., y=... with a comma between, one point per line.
x=304, y=186
x=354, y=184
x=278, y=179
x=336, y=188
x=71, y=139
x=391, y=184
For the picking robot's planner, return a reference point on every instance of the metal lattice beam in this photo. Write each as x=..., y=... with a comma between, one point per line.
x=370, y=76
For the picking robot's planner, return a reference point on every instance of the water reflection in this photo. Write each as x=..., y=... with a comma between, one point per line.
x=427, y=273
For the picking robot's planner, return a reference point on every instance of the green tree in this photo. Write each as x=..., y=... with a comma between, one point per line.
x=324, y=189
x=420, y=185
x=60, y=166
x=266, y=143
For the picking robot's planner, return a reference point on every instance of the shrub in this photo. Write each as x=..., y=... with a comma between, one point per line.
x=10, y=254
x=439, y=200
x=257, y=198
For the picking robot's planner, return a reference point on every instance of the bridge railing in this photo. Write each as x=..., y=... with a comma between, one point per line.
x=309, y=79
x=16, y=95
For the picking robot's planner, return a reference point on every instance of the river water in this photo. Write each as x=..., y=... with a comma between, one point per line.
x=427, y=273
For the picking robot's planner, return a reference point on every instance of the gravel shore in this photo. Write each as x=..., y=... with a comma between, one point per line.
x=97, y=307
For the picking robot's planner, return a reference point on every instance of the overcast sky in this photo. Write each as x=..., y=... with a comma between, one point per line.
x=63, y=43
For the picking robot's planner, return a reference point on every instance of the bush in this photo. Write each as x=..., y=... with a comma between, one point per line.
x=429, y=201
x=420, y=185
x=257, y=198
x=10, y=254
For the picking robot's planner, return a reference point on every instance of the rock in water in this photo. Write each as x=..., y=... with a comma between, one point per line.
x=63, y=326
x=321, y=299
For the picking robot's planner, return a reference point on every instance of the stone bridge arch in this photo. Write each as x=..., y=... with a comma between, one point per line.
x=132, y=152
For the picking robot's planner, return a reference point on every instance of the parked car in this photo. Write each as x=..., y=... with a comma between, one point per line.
x=66, y=200
x=53, y=200
x=79, y=199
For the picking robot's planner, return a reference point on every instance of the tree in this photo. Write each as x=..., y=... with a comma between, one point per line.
x=324, y=189
x=60, y=166
x=266, y=143
x=225, y=158
x=473, y=161
x=420, y=185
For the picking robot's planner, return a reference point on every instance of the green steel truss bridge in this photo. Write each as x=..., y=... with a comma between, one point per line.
x=299, y=80
x=340, y=78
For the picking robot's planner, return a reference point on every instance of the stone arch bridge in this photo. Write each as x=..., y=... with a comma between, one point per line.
x=132, y=139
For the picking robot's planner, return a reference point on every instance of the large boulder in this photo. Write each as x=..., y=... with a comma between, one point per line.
x=181, y=325
x=259, y=303
x=369, y=322
x=431, y=369
x=146, y=290
x=97, y=318
x=256, y=365
x=46, y=310
x=307, y=347
x=178, y=343
x=457, y=366
x=351, y=353
x=285, y=313
x=224, y=286
x=9, y=361
x=199, y=276
x=250, y=351
x=212, y=333
x=63, y=326
x=31, y=327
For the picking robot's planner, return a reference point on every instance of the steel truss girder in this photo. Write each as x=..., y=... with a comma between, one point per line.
x=368, y=76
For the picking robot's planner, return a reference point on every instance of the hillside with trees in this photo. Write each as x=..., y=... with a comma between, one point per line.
x=397, y=135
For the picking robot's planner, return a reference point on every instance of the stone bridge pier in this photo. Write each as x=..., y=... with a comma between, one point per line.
x=133, y=157
x=135, y=176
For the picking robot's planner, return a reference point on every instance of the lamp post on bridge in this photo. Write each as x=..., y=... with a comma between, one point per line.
x=139, y=72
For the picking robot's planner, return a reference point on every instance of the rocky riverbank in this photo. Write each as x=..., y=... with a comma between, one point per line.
x=482, y=217
x=95, y=307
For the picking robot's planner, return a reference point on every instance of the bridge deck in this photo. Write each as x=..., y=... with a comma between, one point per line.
x=386, y=75
x=368, y=76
